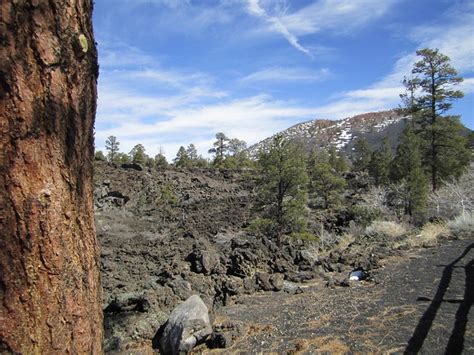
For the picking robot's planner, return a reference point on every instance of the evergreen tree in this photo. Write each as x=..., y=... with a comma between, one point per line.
x=379, y=166
x=220, y=148
x=362, y=155
x=112, y=146
x=137, y=154
x=236, y=146
x=99, y=155
x=238, y=157
x=160, y=161
x=182, y=158
x=407, y=168
x=282, y=186
x=150, y=162
x=192, y=153
x=122, y=158
x=332, y=156
x=337, y=161
x=429, y=96
x=326, y=185
x=342, y=165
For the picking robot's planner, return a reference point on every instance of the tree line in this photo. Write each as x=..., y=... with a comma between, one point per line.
x=229, y=153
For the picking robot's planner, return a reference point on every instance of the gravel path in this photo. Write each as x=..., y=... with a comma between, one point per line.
x=419, y=303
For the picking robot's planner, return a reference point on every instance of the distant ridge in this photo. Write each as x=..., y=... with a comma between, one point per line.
x=323, y=133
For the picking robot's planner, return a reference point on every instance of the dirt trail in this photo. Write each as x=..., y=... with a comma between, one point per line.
x=418, y=303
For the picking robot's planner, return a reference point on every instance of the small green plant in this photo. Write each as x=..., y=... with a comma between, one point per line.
x=305, y=235
x=263, y=226
x=167, y=201
x=364, y=215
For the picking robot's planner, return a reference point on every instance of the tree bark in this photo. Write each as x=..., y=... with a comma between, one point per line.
x=50, y=293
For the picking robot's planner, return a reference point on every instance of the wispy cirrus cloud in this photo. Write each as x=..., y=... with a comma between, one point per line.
x=285, y=75
x=454, y=39
x=252, y=119
x=339, y=16
x=275, y=24
x=184, y=107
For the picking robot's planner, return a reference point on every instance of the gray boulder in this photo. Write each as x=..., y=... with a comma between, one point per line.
x=187, y=326
x=277, y=281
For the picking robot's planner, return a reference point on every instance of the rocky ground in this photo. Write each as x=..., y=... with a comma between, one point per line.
x=420, y=302
x=167, y=235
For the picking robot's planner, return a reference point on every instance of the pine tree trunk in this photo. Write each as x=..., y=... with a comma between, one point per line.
x=50, y=293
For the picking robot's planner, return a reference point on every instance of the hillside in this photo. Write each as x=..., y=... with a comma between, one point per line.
x=322, y=133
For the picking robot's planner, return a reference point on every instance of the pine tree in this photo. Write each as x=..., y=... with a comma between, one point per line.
x=137, y=155
x=326, y=185
x=379, y=166
x=236, y=146
x=362, y=155
x=182, y=158
x=160, y=161
x=429, y=96
x=192, y=153
x=50, y=292
x=282, y=185
x=342, y=165
x=99, y=155
x=338, y=161
x=112, y=146
x=220, y=148
x=332, y=156
x=122, y=158
x=407, y=168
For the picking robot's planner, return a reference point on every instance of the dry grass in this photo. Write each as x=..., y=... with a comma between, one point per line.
x=462, y=225
x=387, y=228
x=346, y=240
x=428, y=236
x=322, y=345
x=259, y=328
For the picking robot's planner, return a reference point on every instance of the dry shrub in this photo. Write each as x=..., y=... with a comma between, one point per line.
x=429, y=235
x=462, y=225
x=346, y=240
x=386, y=228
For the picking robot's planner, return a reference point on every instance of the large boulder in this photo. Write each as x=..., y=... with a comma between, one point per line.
x=187, y=326
x=204, y=261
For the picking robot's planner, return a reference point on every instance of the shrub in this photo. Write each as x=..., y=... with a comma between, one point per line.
x=429, y=234
x=261, y=226
x=364, y=215
x=386, y=228
x=305, y=235
x=462, y=225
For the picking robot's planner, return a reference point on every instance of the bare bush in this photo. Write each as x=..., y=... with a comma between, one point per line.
x=386, y=228
x=455, y=198
x=463, y=224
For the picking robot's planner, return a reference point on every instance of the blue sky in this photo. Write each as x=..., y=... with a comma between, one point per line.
x=175, y=72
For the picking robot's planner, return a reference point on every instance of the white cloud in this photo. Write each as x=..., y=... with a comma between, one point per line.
x=113, y=54
x=467, y=86
x=275, y=25
x=169, y=108
x=279, y=74
x=453, y=38
x=251, y=119
x=340, y=16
